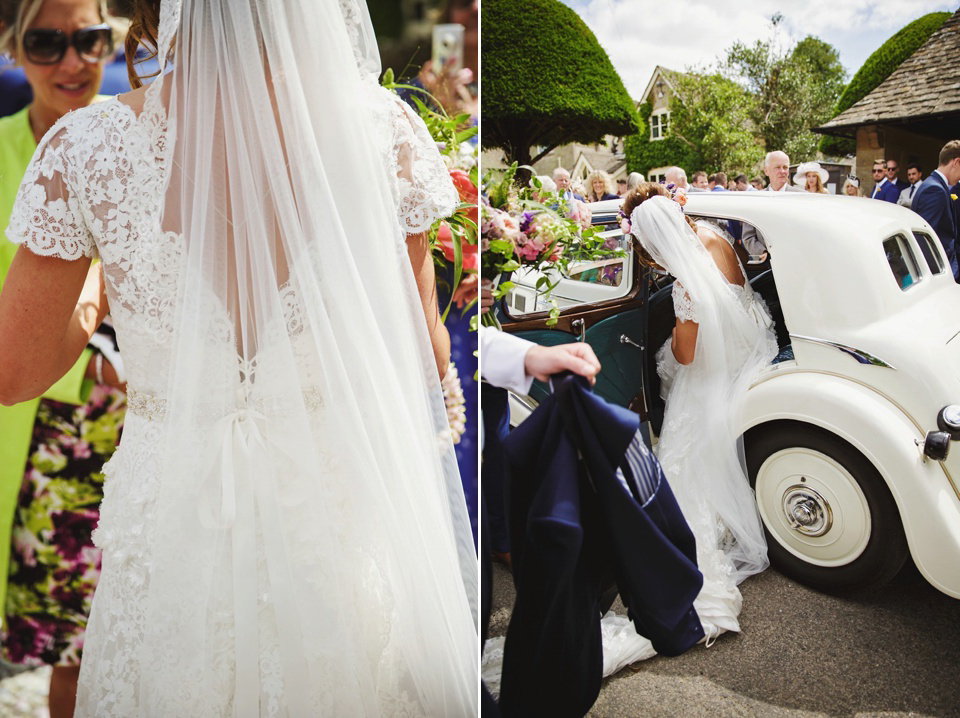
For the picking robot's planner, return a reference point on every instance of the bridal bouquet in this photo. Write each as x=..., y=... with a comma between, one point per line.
x=529, y=227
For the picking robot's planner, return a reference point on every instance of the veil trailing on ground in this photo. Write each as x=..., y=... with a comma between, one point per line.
x=702, y=424
x=310, y=511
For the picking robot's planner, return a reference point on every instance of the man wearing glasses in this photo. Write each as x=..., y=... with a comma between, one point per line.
x=893, y=175
x=884, y=189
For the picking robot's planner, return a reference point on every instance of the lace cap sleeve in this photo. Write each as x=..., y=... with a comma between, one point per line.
x=426, y=192
x=47, y=216
x=682, y=304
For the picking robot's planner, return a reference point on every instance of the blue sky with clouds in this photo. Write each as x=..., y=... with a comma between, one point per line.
x=638, y=35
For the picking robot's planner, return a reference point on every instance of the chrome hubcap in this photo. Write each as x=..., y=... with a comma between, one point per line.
x=807, y=512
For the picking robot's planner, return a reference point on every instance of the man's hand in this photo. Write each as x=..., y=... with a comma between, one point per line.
x=540, y=362
x=486, y=296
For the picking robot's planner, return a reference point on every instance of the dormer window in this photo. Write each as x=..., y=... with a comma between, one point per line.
x=659, y=121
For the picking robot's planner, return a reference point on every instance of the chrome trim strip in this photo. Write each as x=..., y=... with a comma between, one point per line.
x=858, y=354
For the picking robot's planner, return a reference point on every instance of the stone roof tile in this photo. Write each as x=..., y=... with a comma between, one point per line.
x=926, y=83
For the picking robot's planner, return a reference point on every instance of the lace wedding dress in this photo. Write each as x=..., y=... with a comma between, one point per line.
x=282, y=531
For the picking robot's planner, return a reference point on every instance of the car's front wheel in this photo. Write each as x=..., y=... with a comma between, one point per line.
x=831, y=522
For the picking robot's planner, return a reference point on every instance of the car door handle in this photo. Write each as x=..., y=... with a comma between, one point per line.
x=624, y=339
x=580, y=326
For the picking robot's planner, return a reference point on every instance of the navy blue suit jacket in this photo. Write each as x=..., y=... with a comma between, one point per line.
x=888, y=192
x=573, y=524
x=932, y=202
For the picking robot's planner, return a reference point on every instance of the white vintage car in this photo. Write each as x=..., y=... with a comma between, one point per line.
x=849, y=434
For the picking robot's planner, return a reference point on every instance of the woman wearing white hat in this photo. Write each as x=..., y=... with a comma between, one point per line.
x=812, y=177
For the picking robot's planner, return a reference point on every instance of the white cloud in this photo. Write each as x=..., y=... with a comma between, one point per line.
x=638, y=35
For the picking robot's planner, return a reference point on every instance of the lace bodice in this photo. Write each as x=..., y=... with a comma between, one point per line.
x=685, y=310
x=95, y=189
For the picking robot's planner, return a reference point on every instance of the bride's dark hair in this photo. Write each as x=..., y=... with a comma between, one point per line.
x=637, y=196
x=144, y=26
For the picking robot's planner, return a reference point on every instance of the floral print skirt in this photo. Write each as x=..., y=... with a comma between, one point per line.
x=54, y=565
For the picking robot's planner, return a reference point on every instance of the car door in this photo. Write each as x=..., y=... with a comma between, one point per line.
x=615, y=328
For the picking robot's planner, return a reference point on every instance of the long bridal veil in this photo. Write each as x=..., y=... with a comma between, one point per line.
x=312, y=551
x=701, y=432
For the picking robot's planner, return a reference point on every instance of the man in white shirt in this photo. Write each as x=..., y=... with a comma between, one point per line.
x=915, y=177
x=562, y=179
x=776, y=166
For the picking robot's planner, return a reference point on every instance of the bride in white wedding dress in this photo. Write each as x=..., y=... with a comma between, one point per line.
x=722, y=339
x=283, y=528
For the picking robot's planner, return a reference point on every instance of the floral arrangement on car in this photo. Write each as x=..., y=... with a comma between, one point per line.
x=530, y=227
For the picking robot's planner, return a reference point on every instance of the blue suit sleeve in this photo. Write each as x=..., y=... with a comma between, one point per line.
x=930, y=205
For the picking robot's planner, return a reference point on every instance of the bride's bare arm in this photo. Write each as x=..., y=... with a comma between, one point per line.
x=418, y=249
x=684, y=342
x=49, y=308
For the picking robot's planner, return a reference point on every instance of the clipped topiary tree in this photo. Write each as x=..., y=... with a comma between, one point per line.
x=546, y=81
x=878, y=67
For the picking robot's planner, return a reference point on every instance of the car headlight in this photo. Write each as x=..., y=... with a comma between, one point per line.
x=948, y=420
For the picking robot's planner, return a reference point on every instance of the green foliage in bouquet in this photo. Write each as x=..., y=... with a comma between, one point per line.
x=528, y=227
x=453, y=240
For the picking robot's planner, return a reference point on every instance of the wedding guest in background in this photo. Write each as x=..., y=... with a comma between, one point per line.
x=811, y=177
x=883, y=189
x=562, y=179
x=676, y=176
x=621, y=186
x=756, y=183
x=851, y=187
x=52, y=449
x=599, y=186
x=915, y=175
x=700, y=180
x=633, y=179
x=892, y=170
x=776, y=165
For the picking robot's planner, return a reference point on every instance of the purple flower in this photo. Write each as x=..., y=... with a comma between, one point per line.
x=527, y=219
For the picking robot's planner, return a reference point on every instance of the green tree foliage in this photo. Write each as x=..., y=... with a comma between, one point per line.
x=643, y=154
x=712, y=119
x=546, y=80
x=878, y=67
x=792, y=90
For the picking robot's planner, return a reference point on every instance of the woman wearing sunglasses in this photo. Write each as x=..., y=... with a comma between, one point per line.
x=51, y=449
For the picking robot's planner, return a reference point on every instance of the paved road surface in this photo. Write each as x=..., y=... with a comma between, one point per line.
x=802, y=654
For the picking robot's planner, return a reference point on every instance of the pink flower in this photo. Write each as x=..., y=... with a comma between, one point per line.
x=471, y=258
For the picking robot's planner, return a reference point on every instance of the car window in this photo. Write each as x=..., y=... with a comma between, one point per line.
x=902, y=262
x=585, y=282
x=929, y=251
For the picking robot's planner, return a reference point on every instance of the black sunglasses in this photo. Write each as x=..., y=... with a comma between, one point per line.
x=43, y=46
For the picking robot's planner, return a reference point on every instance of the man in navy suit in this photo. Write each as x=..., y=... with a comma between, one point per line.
x=892, y=170
x=934, y=203
x=884, y=189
